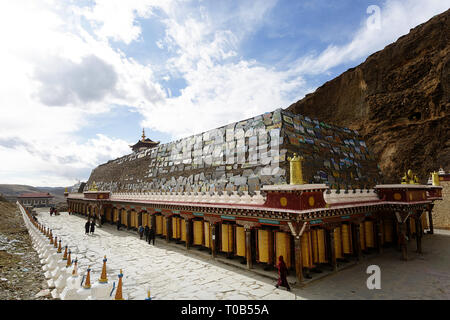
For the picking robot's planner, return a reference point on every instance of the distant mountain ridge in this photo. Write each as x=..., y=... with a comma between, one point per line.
x=398, y=99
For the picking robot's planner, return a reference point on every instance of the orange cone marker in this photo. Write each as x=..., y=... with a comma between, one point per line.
x=118, y=295
x=87, y=284
x=103, y=278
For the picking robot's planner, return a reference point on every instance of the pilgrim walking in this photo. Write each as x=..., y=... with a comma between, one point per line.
x=86, y=227
x=92, y=226
x=282, y=274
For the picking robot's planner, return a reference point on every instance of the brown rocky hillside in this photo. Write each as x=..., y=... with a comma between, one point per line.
x=398, y=100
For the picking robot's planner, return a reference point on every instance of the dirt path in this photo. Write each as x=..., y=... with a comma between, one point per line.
x=21, y=276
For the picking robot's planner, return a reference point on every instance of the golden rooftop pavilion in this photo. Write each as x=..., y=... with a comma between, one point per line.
x=274, y=185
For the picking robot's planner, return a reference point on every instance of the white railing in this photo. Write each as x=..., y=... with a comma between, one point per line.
x=334, y=198
x=216, y=197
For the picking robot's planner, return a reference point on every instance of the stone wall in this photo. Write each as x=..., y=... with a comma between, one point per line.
x=441, y=210
x=244, y=156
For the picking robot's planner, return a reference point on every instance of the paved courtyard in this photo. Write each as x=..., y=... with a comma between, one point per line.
x=171, y=272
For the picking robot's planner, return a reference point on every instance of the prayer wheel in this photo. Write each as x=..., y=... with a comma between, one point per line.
x=198, y=232
x=412, y=224
x=176, y=228
x=368, y=228
x=283, y=247
x=145, y=219
x=108, y=215
x=207, y=229
x=362, y=237
x=318, y=246
x=338, y=243
x=133, y=219
x=307, y=248
x=227, y=237
x=115, y=215
x=265, y=246
x=424, y=219
x=183, y=230
x=388, y=230
x=346, y=233
x=124, y=218
x=164, y=226
x=159, y=224
x=240, y=241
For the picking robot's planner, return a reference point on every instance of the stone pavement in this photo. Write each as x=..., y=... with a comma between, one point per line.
x=174, y=273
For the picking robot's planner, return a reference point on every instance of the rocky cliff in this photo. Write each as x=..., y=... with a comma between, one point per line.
x=398, y=100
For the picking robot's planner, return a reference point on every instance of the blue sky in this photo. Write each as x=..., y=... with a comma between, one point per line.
x=82, y=78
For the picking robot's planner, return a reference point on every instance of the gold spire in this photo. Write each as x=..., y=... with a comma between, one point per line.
x=296, y=174
x=143, y=134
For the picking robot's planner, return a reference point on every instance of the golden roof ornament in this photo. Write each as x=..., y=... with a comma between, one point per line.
x=435, y=178
x=296, y=174
x=93, y=187
x=143, y=134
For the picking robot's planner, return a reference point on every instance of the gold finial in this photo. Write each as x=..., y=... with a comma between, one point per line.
x=296, y=174
x=65, y=190
x=435, y=178
x=143, y=134
x=103, y=278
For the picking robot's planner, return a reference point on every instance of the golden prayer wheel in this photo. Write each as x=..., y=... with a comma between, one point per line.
x=388, y=230
x=207, y=229
x=108, y=214
x=338, y=243
x=318, y=246
x=159, y=224
x=240, y=241
x=283, y=247
x=368, y=228
x=412, y=225
x=265, y=244
x=183, y=230
x=115, y=215
x=132, y=219
x=124, y=218
x=424, y=219
x=144, y=219
x=306, y=248
x=164, y=226
x=198, y=232
x=176, y=228
x=227, y=237
x=362, y=237
x=346, y=232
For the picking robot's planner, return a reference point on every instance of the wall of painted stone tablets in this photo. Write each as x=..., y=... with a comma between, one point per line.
x=244, y=156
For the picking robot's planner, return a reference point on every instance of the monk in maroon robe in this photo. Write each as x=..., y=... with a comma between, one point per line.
x=282, y=274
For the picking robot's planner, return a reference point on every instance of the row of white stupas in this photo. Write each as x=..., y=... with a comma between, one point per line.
x=61, y=272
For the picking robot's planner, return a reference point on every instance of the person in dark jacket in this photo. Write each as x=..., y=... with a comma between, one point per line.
x=141, y=231
x=118, y=224
x=92, y=227
x=146, y=232
x=151, y=236
x=86, y=227
x=282, y=274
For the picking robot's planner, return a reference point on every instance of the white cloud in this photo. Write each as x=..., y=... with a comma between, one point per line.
x=60, y=65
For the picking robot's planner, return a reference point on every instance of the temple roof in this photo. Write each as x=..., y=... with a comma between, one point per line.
x=35, y=195
x=144, y=143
